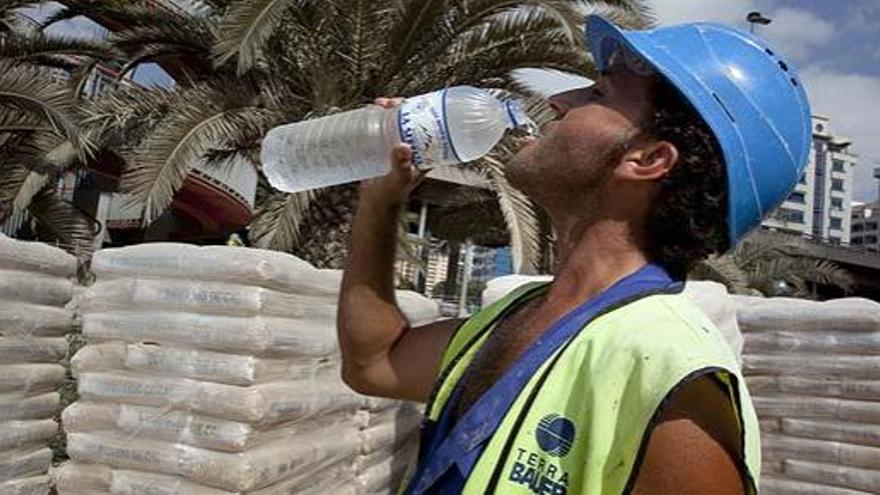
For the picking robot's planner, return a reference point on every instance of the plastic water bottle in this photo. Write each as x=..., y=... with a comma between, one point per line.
x=447, y=127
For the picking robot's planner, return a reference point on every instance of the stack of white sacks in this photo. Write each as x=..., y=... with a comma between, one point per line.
x=215, y=370
x=36, y=282
x=814, y=372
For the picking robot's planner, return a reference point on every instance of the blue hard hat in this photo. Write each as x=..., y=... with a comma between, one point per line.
x=750, y=97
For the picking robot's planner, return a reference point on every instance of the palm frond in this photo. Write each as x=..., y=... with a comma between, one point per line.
x=23, y=88
x=200, y=118
x=246, y=27
x=520, y=217
x=33, y=47
x=80, y=75
x=58, y=221
x=724, y=270
x=277, y=223
x=122, y=117
x=183, y=41
x=30, y=187
x=413, y=19
x=12, y=178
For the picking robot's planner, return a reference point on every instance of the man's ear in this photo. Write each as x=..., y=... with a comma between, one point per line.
x=648, y=161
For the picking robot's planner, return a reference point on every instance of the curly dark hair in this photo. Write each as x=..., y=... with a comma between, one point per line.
x=688, y=222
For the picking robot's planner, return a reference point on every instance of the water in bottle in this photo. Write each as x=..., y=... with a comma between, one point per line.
x=447, y=127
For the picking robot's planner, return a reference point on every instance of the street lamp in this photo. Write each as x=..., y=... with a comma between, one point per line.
x=756, y=17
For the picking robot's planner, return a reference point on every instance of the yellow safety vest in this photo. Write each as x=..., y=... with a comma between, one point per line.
x=580, y=425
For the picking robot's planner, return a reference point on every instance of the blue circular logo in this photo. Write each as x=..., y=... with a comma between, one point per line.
x=555, y=435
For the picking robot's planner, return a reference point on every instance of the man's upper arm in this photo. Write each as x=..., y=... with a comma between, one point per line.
x=414, y=359
x=694, y=448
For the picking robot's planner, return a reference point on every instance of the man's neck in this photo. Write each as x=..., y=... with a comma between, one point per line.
x=593, y=256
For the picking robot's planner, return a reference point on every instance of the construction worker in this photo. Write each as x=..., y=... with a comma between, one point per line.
x=607, y=380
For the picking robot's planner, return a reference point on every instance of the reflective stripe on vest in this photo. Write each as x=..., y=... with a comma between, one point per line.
x=579, y=421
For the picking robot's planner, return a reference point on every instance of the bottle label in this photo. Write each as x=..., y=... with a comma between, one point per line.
x=423, y=125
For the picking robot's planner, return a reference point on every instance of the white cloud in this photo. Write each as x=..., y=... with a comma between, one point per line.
x=794, y=32
x=797, y=32
x=728, y=11
x=850, y=101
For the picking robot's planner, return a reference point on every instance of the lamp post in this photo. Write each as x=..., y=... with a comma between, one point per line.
x=756, y=17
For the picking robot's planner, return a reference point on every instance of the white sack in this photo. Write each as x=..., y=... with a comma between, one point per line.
x=799, y=315
x=74, y=478
x=271, y=269
x=418, y=309
x=255, y=335
x=403, y=410
x=842, y=476
x=800, y=364
x=175, y=426
x=24, y=463
x=20, y=319
x=813, y=342
x=30, y=379
x=388, y=435
x=203, y=298
x=33, y=485
x=217, y=367
x=32, y=349
x=35, y=257
x=14, y=405
x=17, y=435
x=253, y=469
x=267, y=403
x=773, y=485
x=35, y=288
x=823, y=386
x=383, y=477
x=778, y=447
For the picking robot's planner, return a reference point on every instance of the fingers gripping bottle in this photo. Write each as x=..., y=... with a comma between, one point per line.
x=446, y=127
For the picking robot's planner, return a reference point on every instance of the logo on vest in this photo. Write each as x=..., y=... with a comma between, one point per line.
x=541, y=475
x=555, y=435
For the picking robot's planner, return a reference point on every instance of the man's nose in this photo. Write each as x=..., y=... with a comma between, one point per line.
x=561, y=103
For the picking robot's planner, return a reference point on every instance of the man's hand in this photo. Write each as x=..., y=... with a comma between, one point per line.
x=394, y=188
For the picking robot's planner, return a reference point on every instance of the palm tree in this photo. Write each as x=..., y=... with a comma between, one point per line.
x=250, y=65
x=772, y=264
x=40, y=135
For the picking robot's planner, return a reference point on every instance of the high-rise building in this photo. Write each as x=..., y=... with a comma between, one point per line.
x=821, y=203
x=865, y=232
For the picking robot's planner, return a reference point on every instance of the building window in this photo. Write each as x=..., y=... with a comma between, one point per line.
x=858, y=227
x=797, y=197
x=834, y=240
x=856, y=241
x=871, y=239
x=838, y=166
x=789, y=216
x=837, y=184
x=836, y=223
x=871, y=226
x=836, y=203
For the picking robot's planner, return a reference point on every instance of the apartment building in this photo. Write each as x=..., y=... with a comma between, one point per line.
x=820, y=207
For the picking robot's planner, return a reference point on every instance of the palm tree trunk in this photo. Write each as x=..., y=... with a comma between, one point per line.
x=327, y=227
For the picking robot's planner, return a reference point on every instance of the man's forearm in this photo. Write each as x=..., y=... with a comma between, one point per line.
x=369, y=321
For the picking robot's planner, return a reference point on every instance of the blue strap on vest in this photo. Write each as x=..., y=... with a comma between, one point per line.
x=445, y=447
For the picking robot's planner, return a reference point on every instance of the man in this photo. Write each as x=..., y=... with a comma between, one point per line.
x=607, y=380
